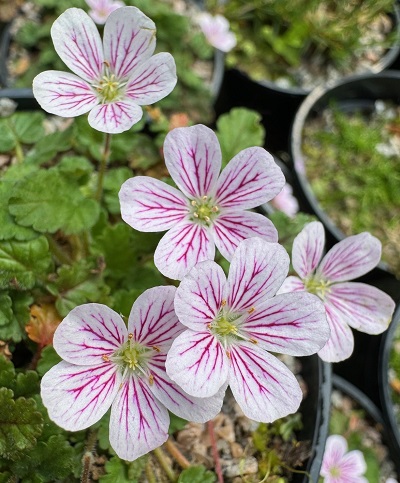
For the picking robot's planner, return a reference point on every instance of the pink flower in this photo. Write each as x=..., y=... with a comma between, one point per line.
x=107, y=364
x=216, y=31
x=340, y=466
x=211, y=208
x=347, y=304
x=232, y=323
x=114, y=78
x=101, y=9
x=286, y=202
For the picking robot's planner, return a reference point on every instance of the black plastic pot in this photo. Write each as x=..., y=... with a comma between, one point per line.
x=384, y=385
x=278, y=105
x=351, y=93
x=315, y=410
x=372, y=412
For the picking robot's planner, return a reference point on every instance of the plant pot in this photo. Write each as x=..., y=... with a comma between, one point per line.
x=385, y=391
x=373, y=412
x=278, y=105
x=350, y=94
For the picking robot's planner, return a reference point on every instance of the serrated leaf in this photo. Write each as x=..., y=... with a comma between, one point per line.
x=112, y=184
x=46, y=149
x=197, y=474
x=9, y=228
x=21, y=261
x=48, y=359
x=48, y=202
x=119, y=471
x=20, y=424
x=28, y=126
x=239, y=129
x=7, y=138
x=22, y=384
x=77, y=285
x=76, y=167
x=50, y=460
x=12, y=323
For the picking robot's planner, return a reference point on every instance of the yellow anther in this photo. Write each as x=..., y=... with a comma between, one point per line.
x=204, y=198
x=253, y=341
x=157, y=349
x=107, y=64
x=193, y=203
x=207, y=218
x=250, y=311
x=223, y=303
x=209, y=326
x=105, y=358
x=130, y=336
x=151, y=379
x=195, y=215
x=228, y=354
x=214, y=209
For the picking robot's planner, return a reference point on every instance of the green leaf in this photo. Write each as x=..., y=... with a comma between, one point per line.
x=9, y=228
x=24, y=384
x=48, y=202
x=77, y=285
x=118, y=471
x=50, y=460
x=239, y=129
x=197, y=474
x=28, y=126
x=76, y=167
x=20, y=424
x=48, y=359
x=7, y=138
x=46, y=149
x=112, y=184
x=22, y=261
x=176, y=423
x=12, y=322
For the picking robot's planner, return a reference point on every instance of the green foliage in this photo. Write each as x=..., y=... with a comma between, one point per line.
x=20, y=424
x=197, y=474
x=48, y=359
x=21, y=128
x=357, y=183
x=14, y=314
x=47, y=201
x=275, y=37
x=48, y=147
x=176, y=423
x=237, y=130
x=118, y=471
x=112, y=184
x=22, y=261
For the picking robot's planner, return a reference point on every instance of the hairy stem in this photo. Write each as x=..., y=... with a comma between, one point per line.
x=159, y=454
x=172, y=449
x=88, y=459
x=103, y=165
x=218, y=469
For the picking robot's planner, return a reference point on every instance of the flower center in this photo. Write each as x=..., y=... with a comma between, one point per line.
x=317, y=287
x=132, y=357
x=223, y=327
x=204, y=210
x=109, y=88
x=335, y=471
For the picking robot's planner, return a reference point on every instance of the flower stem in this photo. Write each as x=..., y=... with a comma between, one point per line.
x=105, y=156
x=149, y=472
x=176, y=454
x=58, y=252
x=159, y=454
x=88, y=459
x=218, y=469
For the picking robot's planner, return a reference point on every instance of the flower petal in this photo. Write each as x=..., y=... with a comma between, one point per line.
x=89, y=332
x=335, y=449
x=231, y=228
x=76, y=397
x=197, y=363
x=148, y=204
x=361, y=306
x=77, y=41
x=257, y=270
x=250, y=179
x=340, y=345
x=138, y=423
x=129, y=39
x=264, y=387
x=63, y=94
x=152, y=80
x=308, y=247
x=115, y=117
x=193, y=158
x=194, y=409
x=350, y=258
x=293, y=323
x=292, y=284
x=353, y=464
x=199, y=296
x=153, y=321
x=181, y=248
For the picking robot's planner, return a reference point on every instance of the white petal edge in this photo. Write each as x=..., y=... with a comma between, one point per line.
x=308, y=247
x=115, y=117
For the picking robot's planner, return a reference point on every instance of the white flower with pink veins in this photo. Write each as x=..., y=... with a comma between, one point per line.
x=216, y=31
x=114, y=77
x=101, y=9
x=210, y=208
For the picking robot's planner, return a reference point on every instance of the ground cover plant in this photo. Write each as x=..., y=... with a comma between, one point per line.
x=114, y=337
x=351, y=160
x=307, y=42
